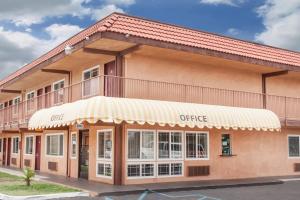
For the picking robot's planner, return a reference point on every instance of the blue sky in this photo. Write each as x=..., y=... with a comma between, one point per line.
x=32, y=27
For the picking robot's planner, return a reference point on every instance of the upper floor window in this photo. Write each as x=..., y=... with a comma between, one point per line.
x=90, y=86
x=30, y=101
x=58, y=92
x=196, y=145
x=293, y=143
x=15, y=145
x=16, y=103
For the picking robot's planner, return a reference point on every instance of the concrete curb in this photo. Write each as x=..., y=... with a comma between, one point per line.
x=44, y=197
x=189, y=188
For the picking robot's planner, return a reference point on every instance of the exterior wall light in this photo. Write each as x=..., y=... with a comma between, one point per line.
x=68, y=50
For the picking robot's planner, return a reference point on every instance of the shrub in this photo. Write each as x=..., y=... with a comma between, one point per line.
x=28, y=175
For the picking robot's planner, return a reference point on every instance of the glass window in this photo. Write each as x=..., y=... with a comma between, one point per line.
x=15, y=145
x=59, y=92
x=105, y=145
x=55, y=144
x=133, y=145
x=176, y=169
x=169, y=169
x=74, y=144
x=196, y=145
x=169, y=145
x=0, y=144
x=163, y=169
x=133, y=170
x=30, y=101
x=163, y=144
x=147, y=145
x=104, y=169
x=293, y=146
x=141, y=145
x=29, y=145
x=16, y=103
x=90, y=82
x=226, y=144
x=147, y=170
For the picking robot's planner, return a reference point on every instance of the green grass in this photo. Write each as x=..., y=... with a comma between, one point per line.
x=15, y=186
x=9, y=177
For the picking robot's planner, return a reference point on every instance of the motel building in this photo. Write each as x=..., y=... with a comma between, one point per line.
x=130, y=100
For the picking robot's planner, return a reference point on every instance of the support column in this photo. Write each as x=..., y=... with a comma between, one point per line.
x=118, y=157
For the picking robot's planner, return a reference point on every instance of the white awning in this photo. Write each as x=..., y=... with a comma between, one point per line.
x=117, y=110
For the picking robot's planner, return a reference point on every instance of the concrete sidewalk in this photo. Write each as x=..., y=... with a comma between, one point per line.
x=102, y=189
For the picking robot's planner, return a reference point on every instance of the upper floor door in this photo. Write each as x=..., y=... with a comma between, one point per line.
x=110, y=80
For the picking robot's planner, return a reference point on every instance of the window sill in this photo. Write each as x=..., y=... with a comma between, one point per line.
x=231, y=155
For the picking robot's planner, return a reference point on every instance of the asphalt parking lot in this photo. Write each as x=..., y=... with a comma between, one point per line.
x=287, y=191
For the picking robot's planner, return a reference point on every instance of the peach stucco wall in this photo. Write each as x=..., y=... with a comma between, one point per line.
x=61, y=160
x=256, y=154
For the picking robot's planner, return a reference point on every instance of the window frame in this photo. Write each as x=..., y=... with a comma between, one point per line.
x=208, y=146
x=170, y=144
x=82, y=79
x=288, y=145
x=27, y=100
x=13, y=145
x=170, y=169
x=63, y=148
x=105, y=160
x=230, y=145
x=154, y=143
x=140, y=174
x=25, y=153
x=53, y=90
x=72, y=156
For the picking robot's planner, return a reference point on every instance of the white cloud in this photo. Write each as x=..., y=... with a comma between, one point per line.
x=224, y=2
x=121, y=2
x=233, y=31
x=30, y=12
x=104, y=11
x=18, y=48
x=282, y=24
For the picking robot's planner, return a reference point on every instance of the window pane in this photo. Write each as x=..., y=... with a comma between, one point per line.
x=61, y=144
x=294, y=146
x=74, y=141
x=133, y=170
x=226, y=146
x=101, y=145
x=176, y=145
x=163, y=145
x=54, y=145
x=133, y=145
x=107, y=170
x=147, y=145
x=48, y=145
x=0, y=145
x=94, y=72
x=176, y=169
x=163, y=169
x=147, y=170
x=100, y=170
x=202, y=145
x=190, y=145
x=108, y=145
x=29, y=144
x=87, y=75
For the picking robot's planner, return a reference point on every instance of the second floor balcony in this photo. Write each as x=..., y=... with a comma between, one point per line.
x=17, y=115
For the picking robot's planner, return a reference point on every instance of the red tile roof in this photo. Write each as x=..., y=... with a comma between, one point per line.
x=139, y=27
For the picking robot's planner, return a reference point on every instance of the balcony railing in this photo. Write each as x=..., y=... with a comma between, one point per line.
x=16, y=116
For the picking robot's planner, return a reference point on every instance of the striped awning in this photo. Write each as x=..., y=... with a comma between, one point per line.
x=117, y=110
